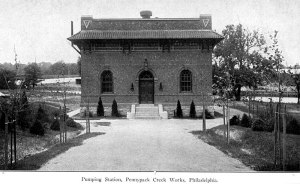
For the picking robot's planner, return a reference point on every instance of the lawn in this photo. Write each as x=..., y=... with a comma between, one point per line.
x=29, y=144
x=292, y=109
x=254, y=149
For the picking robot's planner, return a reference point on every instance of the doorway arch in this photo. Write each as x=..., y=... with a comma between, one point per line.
x=146, y=87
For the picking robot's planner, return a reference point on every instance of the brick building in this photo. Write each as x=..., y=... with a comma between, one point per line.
x=146, y=61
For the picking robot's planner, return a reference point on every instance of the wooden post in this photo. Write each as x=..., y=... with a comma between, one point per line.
x=249, y=106
x=204, y=119
x=284, y=140
x=228, y=124
x=11, y=144
x=224, y=120
x=279, y=134
x=275, y=136
x=6, y=144
x=15, y=141
x=65, y=124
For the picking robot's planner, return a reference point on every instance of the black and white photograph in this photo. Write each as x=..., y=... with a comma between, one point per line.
x=150, y=91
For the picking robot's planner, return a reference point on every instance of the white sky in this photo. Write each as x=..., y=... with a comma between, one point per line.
x=39, y=28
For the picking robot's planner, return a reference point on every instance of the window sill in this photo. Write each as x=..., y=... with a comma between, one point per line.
x=107, y=93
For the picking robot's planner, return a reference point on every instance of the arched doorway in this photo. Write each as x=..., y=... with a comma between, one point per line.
x=146, y=88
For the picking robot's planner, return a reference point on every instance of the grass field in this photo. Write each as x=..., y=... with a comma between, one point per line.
x=254, y=149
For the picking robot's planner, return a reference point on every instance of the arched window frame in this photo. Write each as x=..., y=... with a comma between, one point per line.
x=107, y=85
x=186, y=81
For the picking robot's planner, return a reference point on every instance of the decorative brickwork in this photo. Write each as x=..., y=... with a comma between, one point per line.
x=164, y=47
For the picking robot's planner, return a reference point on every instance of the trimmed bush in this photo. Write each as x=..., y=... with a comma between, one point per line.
x=71, y=123
x=100, y=109
x=245, y=121
x=192, y=110
x=258, y=125
x=293, y=127
x=235, y=120
x=55, y=125
x=114, y=109
x=178, y=110
x=37, y=128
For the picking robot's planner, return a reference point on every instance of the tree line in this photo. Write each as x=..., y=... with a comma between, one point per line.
x=33, y=72
x=248, y=59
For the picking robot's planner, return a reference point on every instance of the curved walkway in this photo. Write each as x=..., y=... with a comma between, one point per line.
x=142, y=145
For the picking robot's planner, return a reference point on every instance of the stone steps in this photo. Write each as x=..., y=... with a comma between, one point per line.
x=147, y=111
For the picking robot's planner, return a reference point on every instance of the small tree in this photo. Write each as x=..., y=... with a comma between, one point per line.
x=55, y=125
x=246, y=121
x=42, y=115
x=192, y=110
x=178, y=110
x=37, y=128
x=100, y=109
x=114, y=109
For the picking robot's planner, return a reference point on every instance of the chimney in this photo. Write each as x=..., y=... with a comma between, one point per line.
x=146, y=14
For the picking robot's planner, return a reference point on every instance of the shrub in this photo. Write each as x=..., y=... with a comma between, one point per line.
x=178, y=110
x=268, y=124
x=258, y=125
x=208, y=115
x=55, y=125
x=23, y=120
x=37, y=128
x=293, y=127
x=114, y=109
x=100, y=109
x=71, y=123
x=235, y=120
x=192, y=110
x=56, y=113
x=86, y=113
x=2, y=120
x=245, y=121
x=42, y=116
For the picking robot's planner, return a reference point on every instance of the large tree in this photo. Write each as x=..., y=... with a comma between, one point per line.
x=32, y=75
x=240, y=60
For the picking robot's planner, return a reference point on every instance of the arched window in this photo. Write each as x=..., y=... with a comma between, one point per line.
x=106, y=82
x=186, y=81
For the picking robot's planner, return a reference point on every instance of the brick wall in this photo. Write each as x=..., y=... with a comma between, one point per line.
x=165, y=66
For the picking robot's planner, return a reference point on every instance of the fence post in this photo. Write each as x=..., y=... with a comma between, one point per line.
x=204, y=119
x=284, y=140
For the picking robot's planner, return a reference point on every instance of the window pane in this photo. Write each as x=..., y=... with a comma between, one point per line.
x=106, y=82
x=185, y=81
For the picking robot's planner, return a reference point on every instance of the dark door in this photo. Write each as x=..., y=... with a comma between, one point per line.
x=146, y=88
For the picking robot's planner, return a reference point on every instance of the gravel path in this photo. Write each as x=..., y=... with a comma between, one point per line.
x=142, y=145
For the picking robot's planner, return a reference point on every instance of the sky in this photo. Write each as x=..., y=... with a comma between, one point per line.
x=38, y=29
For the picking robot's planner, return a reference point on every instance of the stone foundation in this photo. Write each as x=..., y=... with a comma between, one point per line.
x=124, y=108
